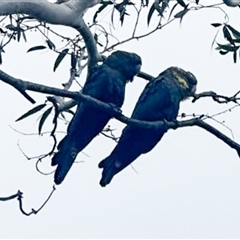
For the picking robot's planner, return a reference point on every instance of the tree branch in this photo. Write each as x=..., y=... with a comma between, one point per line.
x=93, y=55
x=116, y=113
x=67, y=14
x=217, y=98
x=19, y=196
x=16, y=195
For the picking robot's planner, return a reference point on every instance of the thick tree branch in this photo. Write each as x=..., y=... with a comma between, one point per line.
x=93, y=55
x=116, y=113
x=67, y=14
x=16, y=83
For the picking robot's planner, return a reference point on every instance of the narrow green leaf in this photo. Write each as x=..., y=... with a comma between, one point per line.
x=60, y=57
x=32, y=111
x=150, y=13
x=236, y=40
x=43, y=119
x=36, y=48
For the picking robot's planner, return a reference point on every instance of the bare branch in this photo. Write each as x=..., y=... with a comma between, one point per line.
x=33, y=211
x=16, y=195
x=216, y=97
x=19, y=196
x=116, y=113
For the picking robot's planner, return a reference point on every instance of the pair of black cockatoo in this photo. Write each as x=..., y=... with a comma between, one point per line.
x=158, y=102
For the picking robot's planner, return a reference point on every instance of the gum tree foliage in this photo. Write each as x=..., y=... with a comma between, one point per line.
x=93, y=41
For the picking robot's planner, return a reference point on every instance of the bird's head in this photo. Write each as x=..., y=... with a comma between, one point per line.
x=129, y=64
x=185, y=80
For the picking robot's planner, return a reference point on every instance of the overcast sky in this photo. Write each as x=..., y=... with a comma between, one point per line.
x=187, y=187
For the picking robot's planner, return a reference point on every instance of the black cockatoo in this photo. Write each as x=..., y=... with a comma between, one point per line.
x=159, y=101
x=106, y=83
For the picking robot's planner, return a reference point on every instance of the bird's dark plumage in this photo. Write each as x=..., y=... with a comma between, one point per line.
x=159, y=101
x=107, y=84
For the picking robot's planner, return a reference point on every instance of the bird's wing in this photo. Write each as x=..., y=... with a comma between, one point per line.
x=97, y=82
x=155, y=102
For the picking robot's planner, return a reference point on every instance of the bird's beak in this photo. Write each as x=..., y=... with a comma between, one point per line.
x=193, y=90
x=138, y=68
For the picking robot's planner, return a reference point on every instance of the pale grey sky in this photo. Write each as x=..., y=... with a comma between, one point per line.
x=187, y=187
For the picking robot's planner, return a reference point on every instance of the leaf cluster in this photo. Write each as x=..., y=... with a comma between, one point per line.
x=232, y=36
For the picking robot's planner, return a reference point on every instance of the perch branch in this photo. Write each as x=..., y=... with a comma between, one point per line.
x=115, y=112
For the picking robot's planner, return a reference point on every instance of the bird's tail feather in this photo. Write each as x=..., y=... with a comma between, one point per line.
x=64, y=160
x=109, y=170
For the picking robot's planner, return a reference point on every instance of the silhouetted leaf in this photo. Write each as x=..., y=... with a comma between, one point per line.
x=182, y=3
x=32, y=111
x=234, y=31
x=73, y=60
x=2, y=31
x=101, y=8
x=1, y=51
x=216, y=24
x=18, y=34
x=181, y=13
x=170, y=14
x=50, y=44
x=227, y=35
x=235, y=56
x=150, y=13
x=236, y=40
x=11, y=27
x=0, y=57
x=24, y=36
x=36, y=48
x=121, y=8
x=223, y=52
x=161, y=9
x=43, y=119
x=227, y=47
x=60, y=57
